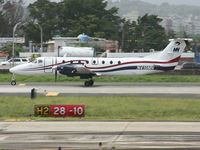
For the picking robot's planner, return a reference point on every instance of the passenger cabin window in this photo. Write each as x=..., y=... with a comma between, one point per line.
x=87, y=62
x=94, y=61
x=63, y=61
x=79, y=62
x=71, y=62
x=119, y=62
x=111, y=62
x=103, y=62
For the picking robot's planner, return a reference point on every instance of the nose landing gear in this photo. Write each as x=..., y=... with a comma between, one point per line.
x=13, y=82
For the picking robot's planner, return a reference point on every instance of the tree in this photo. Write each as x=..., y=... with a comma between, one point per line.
x=7, y=49
x=3, y=25
x=44, y=13
x=149, y=34
x=90, y=17
x=11, y=13
x=73, y=17
x=127, y=41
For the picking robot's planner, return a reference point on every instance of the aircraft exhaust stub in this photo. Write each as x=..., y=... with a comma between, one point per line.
x=59, y=110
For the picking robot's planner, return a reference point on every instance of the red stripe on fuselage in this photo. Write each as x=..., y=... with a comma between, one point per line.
x=134, y=62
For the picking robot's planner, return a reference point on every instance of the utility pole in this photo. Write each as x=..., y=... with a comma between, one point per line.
x=41, y=37
x=13, y=50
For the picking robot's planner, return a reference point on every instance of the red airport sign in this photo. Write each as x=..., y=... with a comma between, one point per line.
x=60, y=110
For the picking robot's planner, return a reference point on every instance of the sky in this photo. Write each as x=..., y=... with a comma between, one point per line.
x=32, y=1
x=177, y=2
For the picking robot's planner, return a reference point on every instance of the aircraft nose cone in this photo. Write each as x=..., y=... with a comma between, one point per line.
x=12, y=70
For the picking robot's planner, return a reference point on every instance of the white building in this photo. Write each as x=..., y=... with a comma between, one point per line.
x=53, y=47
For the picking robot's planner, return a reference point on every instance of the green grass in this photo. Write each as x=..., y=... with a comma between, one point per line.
x=106, y=108
x=145, y=78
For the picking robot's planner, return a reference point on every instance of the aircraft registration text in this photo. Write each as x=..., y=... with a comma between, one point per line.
x=145, y=67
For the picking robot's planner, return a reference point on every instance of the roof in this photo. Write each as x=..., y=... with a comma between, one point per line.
x=2, y=54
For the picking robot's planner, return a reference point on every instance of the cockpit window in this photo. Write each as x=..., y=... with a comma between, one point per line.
x=40, y=61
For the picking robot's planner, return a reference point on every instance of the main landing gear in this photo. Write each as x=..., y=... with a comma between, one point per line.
x=13, y=82
x=89, y=83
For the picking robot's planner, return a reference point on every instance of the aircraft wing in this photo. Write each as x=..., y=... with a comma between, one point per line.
x=83, y=70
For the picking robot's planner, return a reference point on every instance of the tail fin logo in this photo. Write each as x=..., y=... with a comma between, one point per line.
x=177, y=49
x=177, y=43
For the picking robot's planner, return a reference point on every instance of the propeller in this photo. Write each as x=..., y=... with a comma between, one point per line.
x=56, y=75
x=56, y=72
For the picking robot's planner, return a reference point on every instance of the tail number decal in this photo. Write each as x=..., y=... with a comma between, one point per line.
x=145, y=67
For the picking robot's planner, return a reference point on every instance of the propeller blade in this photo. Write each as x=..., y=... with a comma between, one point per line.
x=56, y=74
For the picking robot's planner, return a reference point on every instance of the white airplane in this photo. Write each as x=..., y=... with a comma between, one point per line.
x=88, y=67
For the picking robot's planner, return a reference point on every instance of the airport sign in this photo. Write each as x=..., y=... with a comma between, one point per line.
x=4, y=40
x=59, y=110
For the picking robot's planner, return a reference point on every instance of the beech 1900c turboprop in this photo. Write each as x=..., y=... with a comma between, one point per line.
x=87, y=67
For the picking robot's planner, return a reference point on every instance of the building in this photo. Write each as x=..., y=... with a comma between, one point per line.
x=3, y=57
x=104, y=44
x=5, y=40
x=52, y=48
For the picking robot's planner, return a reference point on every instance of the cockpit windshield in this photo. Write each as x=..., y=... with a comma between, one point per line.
x=35, y=61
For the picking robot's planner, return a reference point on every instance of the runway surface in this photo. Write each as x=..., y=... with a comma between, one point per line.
x=183, y=90
x=112, y=134
x=88, y=134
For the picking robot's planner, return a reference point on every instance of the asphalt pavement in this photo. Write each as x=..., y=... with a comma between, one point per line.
x=179, y=90
x=88, y=135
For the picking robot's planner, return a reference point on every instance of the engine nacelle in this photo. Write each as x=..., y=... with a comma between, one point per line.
x=68, y=70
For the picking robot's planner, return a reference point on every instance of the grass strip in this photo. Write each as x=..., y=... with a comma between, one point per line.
x=145, y=78
x=106, y=108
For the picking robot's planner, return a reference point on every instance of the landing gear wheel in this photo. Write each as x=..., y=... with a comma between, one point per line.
x=89, y=83
x=13, y=83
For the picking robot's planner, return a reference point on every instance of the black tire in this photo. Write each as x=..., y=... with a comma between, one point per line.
x=87, y=83
x=91, y=82
x=13, y=83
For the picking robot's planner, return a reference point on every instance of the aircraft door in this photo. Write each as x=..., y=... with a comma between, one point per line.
x=48, y=62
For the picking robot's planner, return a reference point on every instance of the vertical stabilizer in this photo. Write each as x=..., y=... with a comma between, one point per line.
x=173, y=50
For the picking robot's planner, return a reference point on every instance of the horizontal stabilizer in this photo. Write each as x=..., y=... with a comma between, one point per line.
x=181, y=39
